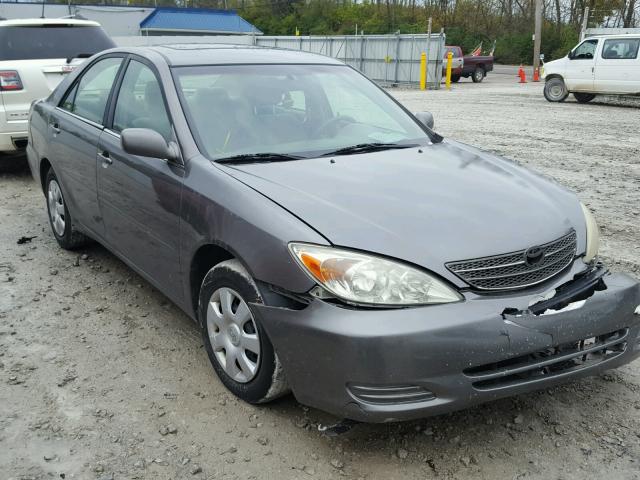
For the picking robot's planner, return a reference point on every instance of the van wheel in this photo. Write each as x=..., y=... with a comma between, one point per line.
x=478, y=75
x=59, y=218
x=238, y=347
x=584, y=97
x=555, y=90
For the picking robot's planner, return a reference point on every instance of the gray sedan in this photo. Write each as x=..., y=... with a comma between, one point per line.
x=325, y=240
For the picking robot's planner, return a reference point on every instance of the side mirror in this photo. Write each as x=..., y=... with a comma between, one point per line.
x=570, y=55
x=147, y=143
x=425, y=118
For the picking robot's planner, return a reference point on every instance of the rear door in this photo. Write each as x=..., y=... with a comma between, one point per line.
x=579, y=73
x=140, y=196
x=74, y=128
x=618, y=66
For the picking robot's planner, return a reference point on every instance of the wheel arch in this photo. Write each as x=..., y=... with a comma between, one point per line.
x=552, y=76
x=45, y=166
x=204, y=259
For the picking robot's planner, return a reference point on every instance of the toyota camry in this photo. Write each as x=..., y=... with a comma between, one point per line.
x=327, y=241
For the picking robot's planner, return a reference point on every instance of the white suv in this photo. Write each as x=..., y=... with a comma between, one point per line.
x=607, y=65
x=35, y=55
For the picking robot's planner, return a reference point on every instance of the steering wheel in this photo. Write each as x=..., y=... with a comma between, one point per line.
x=331, y=126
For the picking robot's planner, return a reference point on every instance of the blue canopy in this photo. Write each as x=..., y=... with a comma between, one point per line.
x=197, y=20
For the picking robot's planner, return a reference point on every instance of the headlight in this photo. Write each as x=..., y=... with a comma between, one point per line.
x=366, y=279
x=593, y=235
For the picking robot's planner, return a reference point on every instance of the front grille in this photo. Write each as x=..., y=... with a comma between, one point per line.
x=390, y=394
x=550, y=362
x=510, y=270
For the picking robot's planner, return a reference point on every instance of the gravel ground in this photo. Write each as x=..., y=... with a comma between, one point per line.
x=102, y=378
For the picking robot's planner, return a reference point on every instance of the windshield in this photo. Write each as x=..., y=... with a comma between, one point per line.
x=302, y=110
x=51, y=41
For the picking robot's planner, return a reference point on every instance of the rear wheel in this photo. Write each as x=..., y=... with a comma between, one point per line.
x=478, y=75
x=584, y=97
x=238, y=347
x=555, y=90
x=59, y=218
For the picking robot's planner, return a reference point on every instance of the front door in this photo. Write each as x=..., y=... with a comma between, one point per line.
x=140, y=196
x=618, y=66
x=75, y=128
x=580, y=67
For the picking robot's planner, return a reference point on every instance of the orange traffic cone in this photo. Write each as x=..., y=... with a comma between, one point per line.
x=536, y=74
x=522, y=75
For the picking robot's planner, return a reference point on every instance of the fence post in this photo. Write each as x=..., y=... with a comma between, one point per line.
x=395, y=74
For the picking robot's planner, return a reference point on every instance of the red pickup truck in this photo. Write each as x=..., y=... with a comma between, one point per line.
x=472, y=66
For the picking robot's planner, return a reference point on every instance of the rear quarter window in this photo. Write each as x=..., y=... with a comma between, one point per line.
x=51, y=41
x=621, y=48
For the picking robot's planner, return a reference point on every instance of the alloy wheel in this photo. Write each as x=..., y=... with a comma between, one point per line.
x=233, y=335
x=56, y=208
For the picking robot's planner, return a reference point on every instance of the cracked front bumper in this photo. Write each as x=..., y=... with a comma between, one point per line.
x=389, y=365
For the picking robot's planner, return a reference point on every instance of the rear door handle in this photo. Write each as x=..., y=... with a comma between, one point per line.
x=106, y=159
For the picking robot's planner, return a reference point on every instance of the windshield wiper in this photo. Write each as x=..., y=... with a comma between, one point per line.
x=259, y=157
x=369, y=147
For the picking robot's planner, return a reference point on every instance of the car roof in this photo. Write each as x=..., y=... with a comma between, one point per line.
x=34, y=22
x=221, y=54
x=618, y=36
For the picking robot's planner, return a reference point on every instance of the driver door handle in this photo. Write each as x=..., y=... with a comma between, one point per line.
x=106, y=159
x=55, y=128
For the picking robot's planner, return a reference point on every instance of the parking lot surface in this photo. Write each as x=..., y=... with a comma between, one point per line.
x=101, y=377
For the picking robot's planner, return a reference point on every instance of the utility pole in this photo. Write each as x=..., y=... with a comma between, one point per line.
x=537, y=36
x=428, y=52
x=585, y=23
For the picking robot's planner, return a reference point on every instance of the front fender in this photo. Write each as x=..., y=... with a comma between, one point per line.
x=218, y=209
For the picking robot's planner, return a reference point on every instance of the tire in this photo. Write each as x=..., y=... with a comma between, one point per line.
x=59, y=217
x=478, y=75
x=584, y=97
x=455, y=78
x=238, y=347
x=555, y=90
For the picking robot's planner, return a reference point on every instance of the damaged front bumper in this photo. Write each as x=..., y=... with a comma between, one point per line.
x=389, y=365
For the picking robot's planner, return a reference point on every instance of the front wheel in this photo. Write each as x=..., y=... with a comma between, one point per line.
x=584, y=97
x=478, y=75
x=455, y=78
x=555, y=90
x=238, y=347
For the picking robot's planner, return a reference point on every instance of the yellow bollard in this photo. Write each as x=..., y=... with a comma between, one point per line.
x=423, y=71
x=448, y=77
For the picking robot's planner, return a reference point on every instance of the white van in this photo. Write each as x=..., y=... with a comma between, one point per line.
x=35, y=55
x=606, y=64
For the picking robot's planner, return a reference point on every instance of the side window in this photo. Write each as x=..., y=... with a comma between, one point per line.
x=88, y=98
x=585, y=51
x=67, y=103
x=140, y=103
x=621, y=48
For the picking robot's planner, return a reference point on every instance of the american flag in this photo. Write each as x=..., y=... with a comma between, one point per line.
x=478, y=51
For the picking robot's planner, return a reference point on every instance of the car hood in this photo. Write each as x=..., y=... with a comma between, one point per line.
x=441, y=203
x=555, y=66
